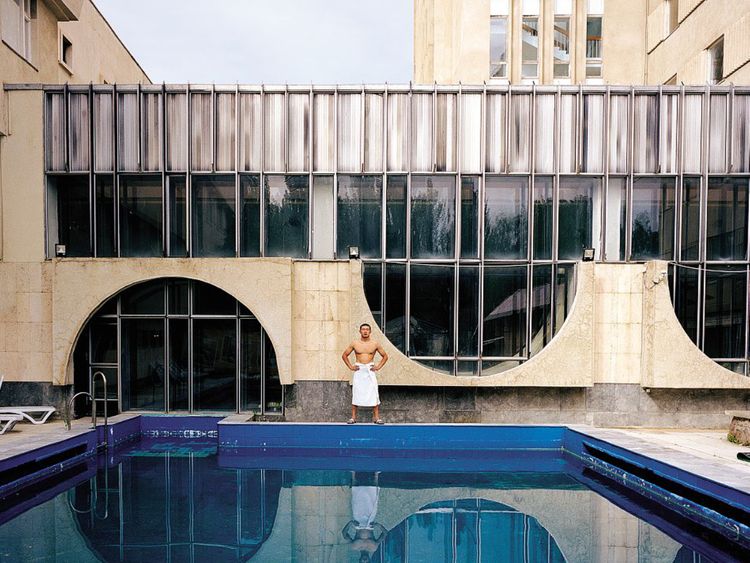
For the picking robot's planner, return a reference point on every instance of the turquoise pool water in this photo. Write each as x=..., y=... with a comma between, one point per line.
x=172, y=500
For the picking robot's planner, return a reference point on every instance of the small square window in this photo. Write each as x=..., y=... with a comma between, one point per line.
x=66, y=52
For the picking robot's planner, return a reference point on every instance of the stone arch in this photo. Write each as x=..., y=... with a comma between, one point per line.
x=261, y=285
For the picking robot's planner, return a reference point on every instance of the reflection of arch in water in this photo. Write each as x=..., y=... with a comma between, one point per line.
x=179, y=507
x=472, y=529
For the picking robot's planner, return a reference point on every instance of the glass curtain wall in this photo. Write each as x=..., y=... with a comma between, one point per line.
x=497, y=188
x=180, y=345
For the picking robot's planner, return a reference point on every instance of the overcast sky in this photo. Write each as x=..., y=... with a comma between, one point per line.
x=267, y=41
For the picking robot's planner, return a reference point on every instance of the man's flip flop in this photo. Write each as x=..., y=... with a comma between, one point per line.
x=378, y=421
x=351, y=421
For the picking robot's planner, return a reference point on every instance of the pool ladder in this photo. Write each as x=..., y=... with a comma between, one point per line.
x=94, y=400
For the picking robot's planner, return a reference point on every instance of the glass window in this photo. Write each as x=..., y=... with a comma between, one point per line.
x=469, y=216
x=653, y=219
x=143, y=299
x=725, y=322
x=617, y=197
x=499, y=47
x=176, y=107
x=324, y=204
x=433, y=209
x=716, y=62
x=106, y=243
x=520, y=133
x=579, y=216
x=692, y=138
x=274, y=132
x=594, y=47
x=177, y=186
x=359, y=215
x=530, y=47
x=717, y=133
x=561, y=47
x=16, y=17
x=286, y=215
x=543, y=211
x=142, y=368
x=593, y=133
x=103, y=132
x=349, y=127
x=395, y=217
x=251, y=131
x=544, y=133
x=741, y=133
x=323, y=128
x=373, y=149
x=68, y=218
x=251, y=365
x=214, y=364
x=504, y=311
x=495, y=133
x=565, y=292
x=726, y=219
x=691, y=208
x=422, y=134
x=79, y=132
x=568, y=134
x=250, y=215
x=178, y=290
x=505, y=217
x=618, y=134
x=646, y=134
x=151, y=131
x=140, y=216
x=274, y=392
x=55, y=141
x=395, y=305
x=686, y=300
x=179, y=371
x=213, y=225
x=128, y=149
x=468, y=311
x=431, y=315
x=398, y=129
x=446, y=117
x=210, y=300
x=541, y=308
x=226, y=130
x=372, y=280
x=201, y=131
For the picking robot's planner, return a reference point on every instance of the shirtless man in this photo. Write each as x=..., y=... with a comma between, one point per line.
x=364, y=382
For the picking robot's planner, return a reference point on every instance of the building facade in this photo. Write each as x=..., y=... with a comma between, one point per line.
x=581, y=42
x=194, y=245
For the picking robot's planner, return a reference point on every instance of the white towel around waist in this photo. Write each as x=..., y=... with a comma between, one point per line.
x=365, y=386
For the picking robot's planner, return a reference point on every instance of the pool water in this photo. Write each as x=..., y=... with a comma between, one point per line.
x=172, y=500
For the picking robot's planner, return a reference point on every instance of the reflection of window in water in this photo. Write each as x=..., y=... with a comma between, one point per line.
x=469, y=530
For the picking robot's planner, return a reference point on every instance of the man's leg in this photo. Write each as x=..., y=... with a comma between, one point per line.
x=354, y=412
x=376, y=413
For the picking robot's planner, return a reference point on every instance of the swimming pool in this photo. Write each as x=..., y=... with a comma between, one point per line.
x=333, y=493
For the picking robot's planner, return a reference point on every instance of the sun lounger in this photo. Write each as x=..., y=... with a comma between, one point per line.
x=35, y=415
x=8, y=421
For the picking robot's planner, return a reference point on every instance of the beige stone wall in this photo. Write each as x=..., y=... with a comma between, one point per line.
x=701, y=23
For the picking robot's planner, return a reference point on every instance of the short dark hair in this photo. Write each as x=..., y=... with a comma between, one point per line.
x=365, y=324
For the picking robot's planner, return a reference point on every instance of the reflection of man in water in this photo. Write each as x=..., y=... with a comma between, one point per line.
x=362, y=531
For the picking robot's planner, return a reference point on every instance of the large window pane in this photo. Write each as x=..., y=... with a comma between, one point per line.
x=286, y=215
x=398, y=128
x=151, y=131
x=565, y=292
x=504, y=311
x=646, y=134
x=128, y=149
x=653, y=219
x=422, y=134
x=544, y=133
x=498, y=47
x=226, y=131
x=210, y=300
x=505, y=217
x=250, y=215
x=446, y=116
x=176, y=131
x=323, y=208
x=372, y=282
x=543, y=210
x=55, y=138
x=213, y=231
x=717, y=133
x=395, y=305
x=592, y=150
x=561, y=47
x=250, y=365
x=79, y=131
x=142, y=371
x=349, y=127
x=692, y=145
x=520, y=135
x=359, y=214
x=274, y=392
x=530, y=47
x=469, y=216
x=617, y=197
x=741, y=134
x=178, y=365
x=251, y=123
x=541, y=308
x=323, y=128
x=433, y=201
x=691, y=208
x=214, y=364
x=568, y=137
x=579, y=216
x=468, y=311
x=68, y=218
x=686, y=300
x=103, y=132
x=140, y=216
x=298, y=126
x=471, y=133
x=725, y=322
x=618, y=133
x=274, y=132
x=431, y=318
x=177, y=186
x=395, y=217
x=494, y=136
x=143, y=299
x=726, y=219
x=373, y=148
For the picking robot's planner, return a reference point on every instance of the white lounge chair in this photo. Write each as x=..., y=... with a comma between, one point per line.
x=27, y=412
x=8, y=421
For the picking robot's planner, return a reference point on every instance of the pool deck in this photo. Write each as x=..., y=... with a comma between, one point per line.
x=706, y=453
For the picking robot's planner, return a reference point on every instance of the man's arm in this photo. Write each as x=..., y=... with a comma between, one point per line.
x=383, y=357
x=345, y=357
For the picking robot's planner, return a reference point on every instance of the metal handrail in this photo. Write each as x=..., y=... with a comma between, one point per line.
x=72, y=412
x=104, y=381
